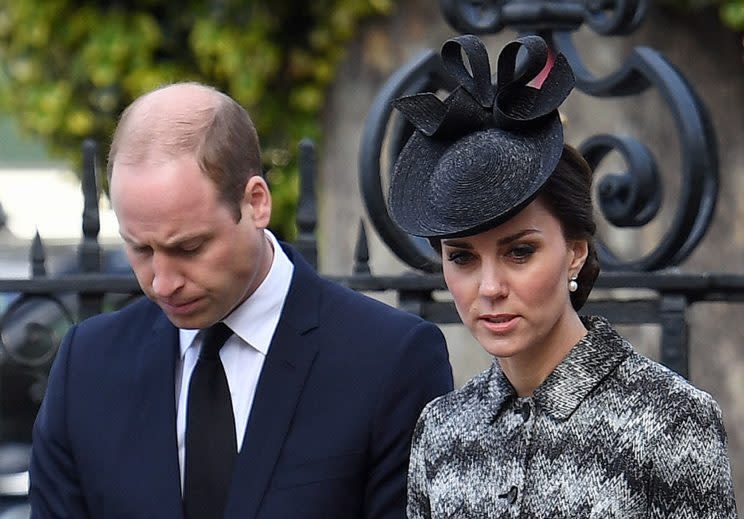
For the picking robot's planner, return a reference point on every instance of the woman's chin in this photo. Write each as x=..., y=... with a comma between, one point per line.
x=500, y=348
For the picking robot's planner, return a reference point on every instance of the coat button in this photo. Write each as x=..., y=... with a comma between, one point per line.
x=525, y=411
x=510, y=496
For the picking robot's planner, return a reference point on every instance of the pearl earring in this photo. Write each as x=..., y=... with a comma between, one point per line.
x=573, y=286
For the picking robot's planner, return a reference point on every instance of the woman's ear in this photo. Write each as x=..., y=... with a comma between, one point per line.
x=579, y=250
x=257, y=201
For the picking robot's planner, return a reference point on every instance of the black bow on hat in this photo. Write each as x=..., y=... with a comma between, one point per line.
x=481, y=155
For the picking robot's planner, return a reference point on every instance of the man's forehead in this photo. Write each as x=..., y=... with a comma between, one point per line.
x=138, y=175
x=149, y=156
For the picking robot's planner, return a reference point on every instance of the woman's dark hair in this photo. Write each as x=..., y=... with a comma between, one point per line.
x=567, y=194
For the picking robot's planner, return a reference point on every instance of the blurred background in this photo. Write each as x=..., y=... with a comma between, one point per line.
x=313, y=69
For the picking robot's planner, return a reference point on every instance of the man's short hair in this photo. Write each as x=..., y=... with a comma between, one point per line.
x=219, y=134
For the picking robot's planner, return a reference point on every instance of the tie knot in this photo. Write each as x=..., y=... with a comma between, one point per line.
x=214, y=338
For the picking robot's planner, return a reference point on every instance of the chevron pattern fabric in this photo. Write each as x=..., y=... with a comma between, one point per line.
x=609, y=434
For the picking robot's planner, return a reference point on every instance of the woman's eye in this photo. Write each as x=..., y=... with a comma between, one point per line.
x=459, y=257
x=522, y=252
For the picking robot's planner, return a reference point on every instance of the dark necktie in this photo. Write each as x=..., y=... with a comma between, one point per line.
x=210, y=432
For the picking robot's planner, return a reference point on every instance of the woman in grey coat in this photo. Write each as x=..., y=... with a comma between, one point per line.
x=569, y=421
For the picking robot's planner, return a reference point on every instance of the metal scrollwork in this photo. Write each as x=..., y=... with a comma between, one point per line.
x=424, y=73
x=644, y=69
x=31, y=328
x=606, y=17
x=628, y=199
x=632, y=198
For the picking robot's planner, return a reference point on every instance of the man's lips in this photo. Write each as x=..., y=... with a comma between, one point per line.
x=180, y=307
x=499, y=323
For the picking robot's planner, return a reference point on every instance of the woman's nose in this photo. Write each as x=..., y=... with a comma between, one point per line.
x=493, y=283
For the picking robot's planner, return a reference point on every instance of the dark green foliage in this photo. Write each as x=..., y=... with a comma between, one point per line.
x=69, y=67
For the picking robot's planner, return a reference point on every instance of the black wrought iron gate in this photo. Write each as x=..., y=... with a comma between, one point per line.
x=44, y=306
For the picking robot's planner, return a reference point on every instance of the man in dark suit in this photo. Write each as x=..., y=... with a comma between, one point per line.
x=306, y=406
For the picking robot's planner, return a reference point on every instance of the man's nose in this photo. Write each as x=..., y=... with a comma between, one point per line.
x=166, y=276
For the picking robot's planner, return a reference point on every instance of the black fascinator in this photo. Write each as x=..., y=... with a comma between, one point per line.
x=478, y=157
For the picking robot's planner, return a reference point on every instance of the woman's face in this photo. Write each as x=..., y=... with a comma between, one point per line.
x=510, y=283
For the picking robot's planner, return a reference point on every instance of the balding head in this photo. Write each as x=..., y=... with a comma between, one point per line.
x=196, y=120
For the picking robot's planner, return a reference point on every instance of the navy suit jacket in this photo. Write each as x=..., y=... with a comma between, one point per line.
x=328, y=435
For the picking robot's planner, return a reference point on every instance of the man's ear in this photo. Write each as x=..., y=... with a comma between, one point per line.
x=257, y=201
x=579, y=250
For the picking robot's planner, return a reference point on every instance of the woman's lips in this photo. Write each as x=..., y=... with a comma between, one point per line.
x=499, y=323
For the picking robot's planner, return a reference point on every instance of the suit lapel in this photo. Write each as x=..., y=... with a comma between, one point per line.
x=287, y=365
x=155, y=443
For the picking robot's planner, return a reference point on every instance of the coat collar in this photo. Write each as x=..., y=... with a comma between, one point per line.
x=154, y=456
x=594, y=357
x=286, y=368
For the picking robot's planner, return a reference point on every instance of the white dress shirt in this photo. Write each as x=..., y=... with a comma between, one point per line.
x=253, y=324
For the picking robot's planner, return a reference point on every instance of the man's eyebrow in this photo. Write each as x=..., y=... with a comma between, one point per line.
x=463, y=243
x=127, y=239
x=173, y=243
x=180, y=241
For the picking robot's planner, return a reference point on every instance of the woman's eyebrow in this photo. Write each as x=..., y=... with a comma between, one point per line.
x=458, y=244
x=517, y=235
x=461, y=243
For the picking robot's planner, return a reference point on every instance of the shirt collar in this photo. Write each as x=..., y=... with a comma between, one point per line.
x=256, y=318
x=594, y=357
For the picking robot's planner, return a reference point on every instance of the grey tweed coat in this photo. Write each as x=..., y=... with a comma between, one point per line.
x=609, y=433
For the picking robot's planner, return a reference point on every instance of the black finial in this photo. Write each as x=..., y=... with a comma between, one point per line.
x=38, y=257
x=307, y=214
x=90, y=250
x=361, y=252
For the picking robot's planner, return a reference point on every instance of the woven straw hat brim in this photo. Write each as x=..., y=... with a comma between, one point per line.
x=447, y=189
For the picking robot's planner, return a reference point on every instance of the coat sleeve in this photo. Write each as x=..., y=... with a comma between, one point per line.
x=55, y=491
x=690, y=471
x=421, y=373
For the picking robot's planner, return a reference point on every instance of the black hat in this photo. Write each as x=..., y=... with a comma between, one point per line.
x=478, y=157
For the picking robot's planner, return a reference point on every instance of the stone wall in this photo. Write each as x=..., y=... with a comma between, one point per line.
x=707, y=54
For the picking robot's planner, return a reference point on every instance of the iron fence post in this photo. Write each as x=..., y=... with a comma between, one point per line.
x=674, y=336
x=91, y=303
